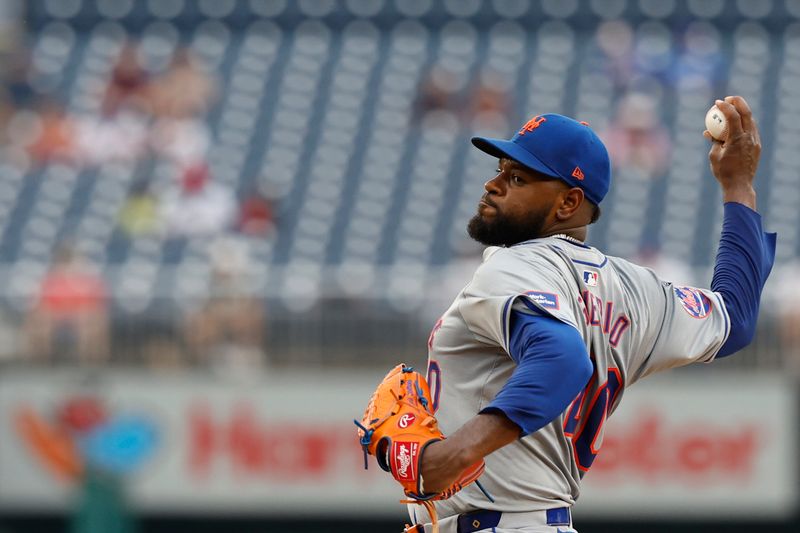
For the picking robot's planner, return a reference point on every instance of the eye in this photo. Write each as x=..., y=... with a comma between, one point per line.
x=517, y=180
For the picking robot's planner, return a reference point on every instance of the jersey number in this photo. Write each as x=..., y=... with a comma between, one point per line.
x=586, y=417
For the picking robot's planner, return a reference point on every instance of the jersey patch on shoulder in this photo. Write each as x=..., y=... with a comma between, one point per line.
x=590, y=277
x=547, y=300
x=694, y=301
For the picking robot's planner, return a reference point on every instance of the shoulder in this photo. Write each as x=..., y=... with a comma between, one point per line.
x=633, y=274
x=525, y=258
x=512, y=270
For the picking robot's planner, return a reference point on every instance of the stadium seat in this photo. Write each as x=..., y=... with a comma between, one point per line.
x=319, y=104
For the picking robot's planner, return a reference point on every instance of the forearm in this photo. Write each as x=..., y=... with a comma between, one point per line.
x=444, y=461
x=743, y=263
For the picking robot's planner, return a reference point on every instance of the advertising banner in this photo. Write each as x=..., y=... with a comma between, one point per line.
x=710, y=445
x=286, y=445
x=280, y=445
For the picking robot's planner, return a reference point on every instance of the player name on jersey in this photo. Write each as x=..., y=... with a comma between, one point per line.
x=598, y=313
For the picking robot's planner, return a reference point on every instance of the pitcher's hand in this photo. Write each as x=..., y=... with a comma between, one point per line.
x=734, y=161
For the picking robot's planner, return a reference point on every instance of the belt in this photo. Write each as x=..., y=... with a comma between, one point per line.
x=478, y=520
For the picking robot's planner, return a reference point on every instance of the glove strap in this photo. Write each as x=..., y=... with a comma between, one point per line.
x=431, y=512
x=365, y=440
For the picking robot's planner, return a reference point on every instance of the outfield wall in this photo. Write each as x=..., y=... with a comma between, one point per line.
x=706, y=446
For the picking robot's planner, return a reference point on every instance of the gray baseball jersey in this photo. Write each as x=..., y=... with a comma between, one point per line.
x=633, y=324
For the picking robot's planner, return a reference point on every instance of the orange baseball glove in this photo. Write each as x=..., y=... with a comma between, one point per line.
x=398, y=425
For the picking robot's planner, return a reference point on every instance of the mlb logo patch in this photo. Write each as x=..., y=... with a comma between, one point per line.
x=547, y=300
x=693, y=301
x=590, y=278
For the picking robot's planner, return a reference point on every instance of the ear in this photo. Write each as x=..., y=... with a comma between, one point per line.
x=570, y=203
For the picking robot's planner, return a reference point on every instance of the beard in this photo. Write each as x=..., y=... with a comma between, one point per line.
x=502, y=230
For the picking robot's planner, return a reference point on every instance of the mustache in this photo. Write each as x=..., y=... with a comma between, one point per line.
x=485, y=199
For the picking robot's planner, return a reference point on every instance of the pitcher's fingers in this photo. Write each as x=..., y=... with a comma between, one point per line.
x=715, y=153
x=746, y=114
x=754, y=131
x=732, y=117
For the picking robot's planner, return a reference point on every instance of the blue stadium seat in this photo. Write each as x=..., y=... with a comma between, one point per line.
x=320, y=105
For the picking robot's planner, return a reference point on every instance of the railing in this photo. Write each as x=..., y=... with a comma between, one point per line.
x=330, y=318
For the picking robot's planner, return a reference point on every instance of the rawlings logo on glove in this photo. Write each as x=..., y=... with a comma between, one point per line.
x=403, y=453
x=398, y=425
x=405, y=420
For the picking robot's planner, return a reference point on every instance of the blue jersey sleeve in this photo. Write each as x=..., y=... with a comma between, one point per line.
x=744, y=261
x=553, y=366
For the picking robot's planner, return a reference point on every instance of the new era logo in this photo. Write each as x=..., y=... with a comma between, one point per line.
x=578, y=173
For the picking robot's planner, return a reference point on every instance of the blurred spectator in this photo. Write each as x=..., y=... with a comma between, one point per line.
x=197, y=205
x=183, y=141
x=439, y=92
x=69, y=317
x=227, y=330
x=119, y=137
x=447, y=97
x=16, y=79
x=637, y=140
x=56, y=134
x=653, y=51
x=23, y=129
x=702, y=60
x=139, y=215
x=129, y=87
x=120, y=132
x=15, y=134
x=181, y=97
x=256, y=215
x=185, y=90
x=615, y=41
x=36, y=128
x=176, y=100
x=491, y=102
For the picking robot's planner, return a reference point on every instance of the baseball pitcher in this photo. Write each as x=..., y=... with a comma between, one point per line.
x=536, y=352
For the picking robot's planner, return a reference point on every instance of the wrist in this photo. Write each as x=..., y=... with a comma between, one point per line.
x=449, y=452
x=745, y=195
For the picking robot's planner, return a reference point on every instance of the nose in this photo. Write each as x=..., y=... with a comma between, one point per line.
x=494, y=185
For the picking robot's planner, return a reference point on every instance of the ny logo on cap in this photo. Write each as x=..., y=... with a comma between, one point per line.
x=532, y=124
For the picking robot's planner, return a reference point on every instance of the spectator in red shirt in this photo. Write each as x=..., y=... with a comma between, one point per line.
x=69, y=316
x=256, y=215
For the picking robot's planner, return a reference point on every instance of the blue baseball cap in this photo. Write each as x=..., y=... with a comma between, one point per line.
x=560, y=147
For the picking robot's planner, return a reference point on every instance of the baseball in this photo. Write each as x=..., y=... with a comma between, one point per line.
x=716, y=123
